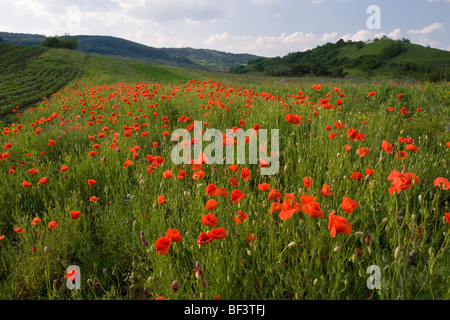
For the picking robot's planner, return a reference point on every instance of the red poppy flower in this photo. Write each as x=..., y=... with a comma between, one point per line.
x=306, y=198
x=241, y=216
x=369, y=172
x=442, y=183
x=75, y=214
x=211, y=204
x=386, y=146
x=349, y=205
x=313, y=209
x=264, y=187
x=204, y=238
x=35, y=221
x=217, y=234
x=42, y=180
x=91, y=182
x=288, y=209
x=325, y=192
x=52, y=225
x=337, y=224
x=276, y=207
x=127, y=163
x=209, y=220
x=363, y=152
x=161, y=199
x=19, y=230
x=174, y=235
x=163, y=245
x=401, y=155
x=297, y=119
x=237, y=195
x=26, y=184
x=168, y=174
x=245, y=174
x=274, y=194
x=221, y=192
x=356, y=176
x=211, y=190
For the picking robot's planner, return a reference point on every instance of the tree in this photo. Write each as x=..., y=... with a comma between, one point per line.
x=66, y=42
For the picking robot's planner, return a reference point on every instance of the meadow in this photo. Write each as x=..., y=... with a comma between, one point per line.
x=88, y=181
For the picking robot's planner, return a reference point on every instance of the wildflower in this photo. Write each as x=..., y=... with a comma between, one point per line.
x=163, y=245
x=74, y=214
x=209, y=220
x=348, y=205
x=337, y=224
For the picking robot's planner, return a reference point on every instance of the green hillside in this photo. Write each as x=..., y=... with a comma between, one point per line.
x=211, y=59
x=29, y=73
x=112, y=46
x=381, y=59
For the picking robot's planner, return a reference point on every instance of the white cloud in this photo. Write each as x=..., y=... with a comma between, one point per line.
x=427, y=29
x=316, y=1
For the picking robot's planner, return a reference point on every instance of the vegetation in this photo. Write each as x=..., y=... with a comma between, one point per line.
x=382, y=58
x=66, y=42
x=211, y=59
x=83, y=173
x=30, y=73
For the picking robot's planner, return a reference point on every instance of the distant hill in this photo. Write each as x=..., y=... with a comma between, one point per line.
x=381, y=58
x=112, y=46
x=212, y=59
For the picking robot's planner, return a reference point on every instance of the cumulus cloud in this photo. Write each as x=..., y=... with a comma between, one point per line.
x=269, y=46
x=427, y=29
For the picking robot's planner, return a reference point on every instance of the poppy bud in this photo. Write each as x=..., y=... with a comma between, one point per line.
x=316, y=281
x=249, y=252
x=359, y=233
x=384, y=220
x=337, y=249
x=175, y=286
x=367, y=240
x=290, y=245
x=396, y=253
x=420, y=197
x=46, y=249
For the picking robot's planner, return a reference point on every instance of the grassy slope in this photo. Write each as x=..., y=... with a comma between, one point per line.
x=41, y=72
x=417, y=54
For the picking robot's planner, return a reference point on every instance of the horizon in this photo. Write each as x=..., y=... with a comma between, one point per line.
x=267, y=28
x=98, y=35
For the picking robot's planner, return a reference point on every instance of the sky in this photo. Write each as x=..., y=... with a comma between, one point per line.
x=266, y=28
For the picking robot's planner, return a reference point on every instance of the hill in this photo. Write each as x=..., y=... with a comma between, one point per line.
x=29, y=73
x=211, y=60
x=382, y=58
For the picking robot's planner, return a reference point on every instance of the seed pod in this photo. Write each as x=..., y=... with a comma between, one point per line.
x=175, y=286
x=396, y=253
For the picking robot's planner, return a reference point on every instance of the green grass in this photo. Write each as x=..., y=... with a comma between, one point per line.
x=289, y=260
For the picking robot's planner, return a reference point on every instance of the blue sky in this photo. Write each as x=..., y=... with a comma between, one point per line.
x=263, y=27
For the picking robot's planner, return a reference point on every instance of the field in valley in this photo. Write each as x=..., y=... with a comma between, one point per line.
x=359, y=208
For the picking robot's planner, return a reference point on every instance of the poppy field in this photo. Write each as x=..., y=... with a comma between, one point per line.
x=88, y=180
